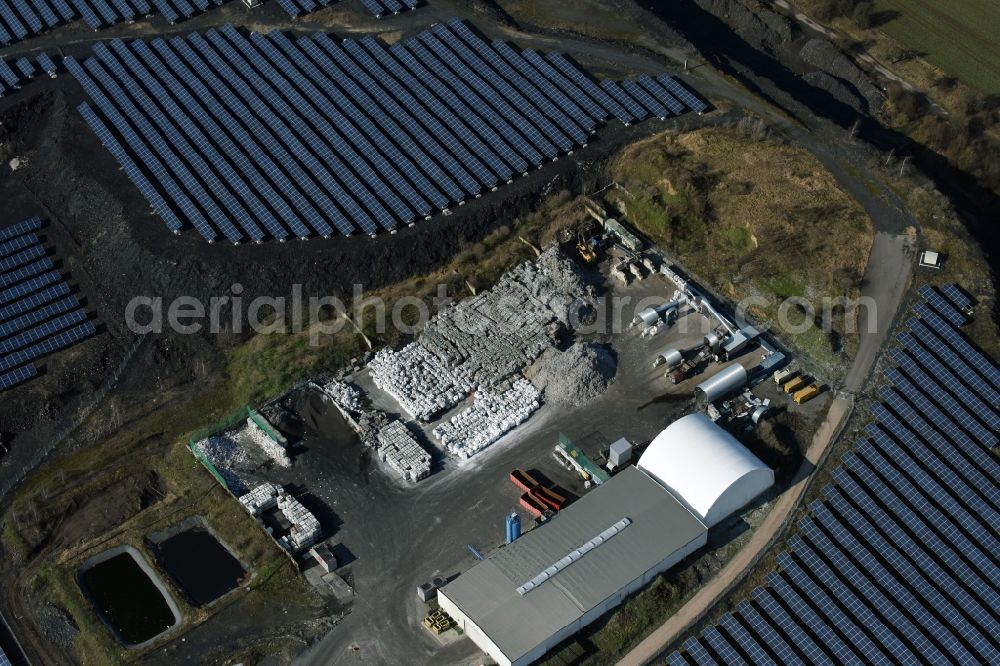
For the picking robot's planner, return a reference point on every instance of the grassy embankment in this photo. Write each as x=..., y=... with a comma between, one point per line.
x=141, y=478
x=752, y=218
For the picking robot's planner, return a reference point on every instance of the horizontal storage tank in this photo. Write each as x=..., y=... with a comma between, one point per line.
x=730, y=379
x=670, y=358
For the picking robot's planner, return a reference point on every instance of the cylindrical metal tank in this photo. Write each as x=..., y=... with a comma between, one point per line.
x=513, y=527
x=712, y=341
x=758, y=413
x=728, y=380
x=670, y=358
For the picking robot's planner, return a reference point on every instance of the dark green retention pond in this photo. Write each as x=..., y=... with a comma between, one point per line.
x=202, y=567
x=129, y=600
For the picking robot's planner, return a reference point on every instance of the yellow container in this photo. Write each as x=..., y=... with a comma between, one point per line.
x=794, y=385
x=806, y=394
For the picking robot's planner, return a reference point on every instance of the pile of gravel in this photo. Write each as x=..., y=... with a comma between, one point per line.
x=575, y=376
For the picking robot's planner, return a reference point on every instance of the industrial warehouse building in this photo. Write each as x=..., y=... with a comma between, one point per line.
x=532, y=594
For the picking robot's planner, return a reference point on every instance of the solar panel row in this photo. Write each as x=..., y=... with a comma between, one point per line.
x=20, y=19
x=272, y=136
x=898, y=562
x=36, y=307
x=14, y=75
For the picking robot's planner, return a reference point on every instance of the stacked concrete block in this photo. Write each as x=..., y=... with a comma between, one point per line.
x=398, y=448
x=347, y=396
x=491, y=416
x=421, y=384
x=306, y=529
x=261, y=498
x=272, y=449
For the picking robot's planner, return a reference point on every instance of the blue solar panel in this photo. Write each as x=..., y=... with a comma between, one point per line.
x=872, y=591
x=34, y=251
x=697, y=651
x=758, y=655
x=13, y=21
x=184, y=132
x=33, y=301
x=148, y=156
x=37, y=316
x=942, y=306
x=552, y=89
x=906, y=586
x=802, y=616
x=543, y=133
x=149, y=118
x=9, y=380
x=528, y=141
x=310, y=187
x=26, y=67
x=28, y=16
x=957, y=388
x=374, y=7
x=614, y=89
x=958, y=362
x=440, y=115
x=937, y=392
x=317, y=154
x=985, y=483
x=677, y=89
x=856, y=619
x=956, y=296
x=48, y=346
x=926, y=548
x=772, y=610
x=660, y=93
x=523, y=85
x=648, y=101
x=357, y=61
x=8, y=75
x=18, y=245
x=256, y=158
x=169, y=146
x=333, y=105
x=46, y=13
x=46, y=63
x=478, y=127
x=14, y=230
x=568, y=85
x=592, y=89
x=25, y=272
x=763, y=628
x=980, y=541
x=41, y=331
x=138, y=178
x=984, y=366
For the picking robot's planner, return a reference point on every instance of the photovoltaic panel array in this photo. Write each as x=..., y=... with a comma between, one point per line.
x=16, y=73
x=38, y=314
x=898, y=562
x=21, y=19
x=378, y=8
x=248, y=138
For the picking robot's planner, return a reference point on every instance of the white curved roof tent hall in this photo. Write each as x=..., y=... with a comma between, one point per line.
x=706, y=468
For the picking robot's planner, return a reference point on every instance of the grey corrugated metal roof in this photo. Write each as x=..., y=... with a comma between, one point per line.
x=660, y=525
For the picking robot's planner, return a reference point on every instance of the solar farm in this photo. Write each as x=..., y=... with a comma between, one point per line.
x=38, y=313
x=270, y=137
x=378, y=8
x=897, y=562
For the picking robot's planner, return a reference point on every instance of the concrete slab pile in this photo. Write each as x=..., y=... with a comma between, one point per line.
x=418, y=380
x=229, y=457
x=272, y=449
x=306, y=529
x=347, y=396
x=261, y=498
x=492, y=415
x=398, y=448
